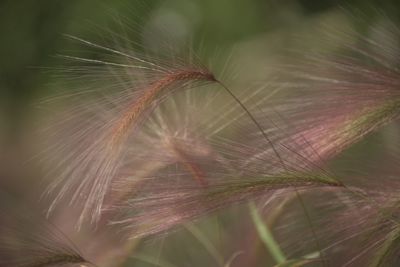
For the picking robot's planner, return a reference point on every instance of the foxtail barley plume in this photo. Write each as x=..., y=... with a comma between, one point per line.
x=133, y=149
x=29, y=240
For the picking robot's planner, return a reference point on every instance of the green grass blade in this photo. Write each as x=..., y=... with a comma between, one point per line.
x=266, y=235
x=387, y=247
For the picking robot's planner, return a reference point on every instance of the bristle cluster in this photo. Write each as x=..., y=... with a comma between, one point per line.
x=153, y=156
x=55, y=260
x=102, y=148
x=29, y=240
x=151, y=93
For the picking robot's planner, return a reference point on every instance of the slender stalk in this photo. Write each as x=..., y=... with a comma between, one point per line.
x=392, y=240
x=266, y=236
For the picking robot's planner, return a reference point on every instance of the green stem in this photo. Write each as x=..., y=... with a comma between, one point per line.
x=391, y=241
x=266, y=235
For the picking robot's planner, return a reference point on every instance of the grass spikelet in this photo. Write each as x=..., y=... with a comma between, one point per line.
x=28, y=240
x=163, y=208
x=358, y=227
x=98, y=133
x=150, y=95
x=329, y=101
x=171, y=198
x=170, y=139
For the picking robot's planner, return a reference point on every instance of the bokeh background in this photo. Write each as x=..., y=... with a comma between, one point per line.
x=256, y=32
